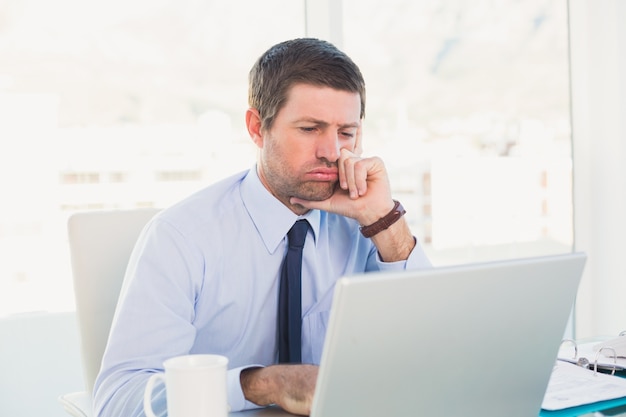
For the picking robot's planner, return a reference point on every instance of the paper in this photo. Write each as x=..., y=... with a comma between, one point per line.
x=613, y=347
x=589, y=351
x=571, y=385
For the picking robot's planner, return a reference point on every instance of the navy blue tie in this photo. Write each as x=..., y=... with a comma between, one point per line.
x=290, y=297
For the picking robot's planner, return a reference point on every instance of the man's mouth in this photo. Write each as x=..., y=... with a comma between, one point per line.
x=324, y=174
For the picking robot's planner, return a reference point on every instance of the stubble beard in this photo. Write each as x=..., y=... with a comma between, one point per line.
x=284, y=184
x=315, y=190
x=284, y=189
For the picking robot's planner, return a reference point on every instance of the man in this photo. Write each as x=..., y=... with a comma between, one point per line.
x=205, y=273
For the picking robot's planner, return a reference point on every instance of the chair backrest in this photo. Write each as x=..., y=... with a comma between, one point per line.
x=100, y=245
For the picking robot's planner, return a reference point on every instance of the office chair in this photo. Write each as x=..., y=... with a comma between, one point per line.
x=100, y=246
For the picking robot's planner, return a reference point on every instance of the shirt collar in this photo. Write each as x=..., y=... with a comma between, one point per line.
x=271, y=218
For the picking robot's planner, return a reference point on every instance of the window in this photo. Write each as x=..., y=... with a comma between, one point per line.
x=121, y=104
x=116, y=104
x=468, y=103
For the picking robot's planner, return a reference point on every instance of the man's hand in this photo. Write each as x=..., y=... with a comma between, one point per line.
x=290, y=387
x=364, y=194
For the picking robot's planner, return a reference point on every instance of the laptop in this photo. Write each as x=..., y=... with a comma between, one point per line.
x=470, y=340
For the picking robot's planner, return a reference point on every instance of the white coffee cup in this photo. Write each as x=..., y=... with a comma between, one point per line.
x=195, y=386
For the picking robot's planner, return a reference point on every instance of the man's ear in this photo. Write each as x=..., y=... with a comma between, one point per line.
x=253, y=123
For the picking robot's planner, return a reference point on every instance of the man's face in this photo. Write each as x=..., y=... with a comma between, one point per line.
x=299, y=154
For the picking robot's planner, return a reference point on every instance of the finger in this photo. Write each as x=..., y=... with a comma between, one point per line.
x=343, y=181
x=347, y=161
x=324, y=205
x=344, y=156
x=361, y=171
x=358, y=144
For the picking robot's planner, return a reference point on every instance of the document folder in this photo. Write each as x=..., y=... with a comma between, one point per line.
x=586, y=381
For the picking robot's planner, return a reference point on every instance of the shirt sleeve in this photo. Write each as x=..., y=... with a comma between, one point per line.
x=417, y=260
x=129, y=400
x=154, y=321
x=236, y=399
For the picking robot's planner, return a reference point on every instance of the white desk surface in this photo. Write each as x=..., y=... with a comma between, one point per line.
x=262, y=412
x=278, y=412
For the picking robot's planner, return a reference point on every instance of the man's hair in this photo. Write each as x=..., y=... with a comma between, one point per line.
x=300, y=61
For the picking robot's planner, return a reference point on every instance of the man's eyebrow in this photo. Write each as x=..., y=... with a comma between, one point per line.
x=324, y=123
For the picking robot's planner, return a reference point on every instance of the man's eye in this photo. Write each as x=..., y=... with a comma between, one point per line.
x=307, y=129
x=348, y=134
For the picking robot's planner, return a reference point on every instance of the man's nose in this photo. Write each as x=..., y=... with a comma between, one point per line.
x=328, y=147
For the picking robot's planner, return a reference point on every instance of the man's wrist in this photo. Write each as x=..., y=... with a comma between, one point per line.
x=384, y=222
x=256, y=386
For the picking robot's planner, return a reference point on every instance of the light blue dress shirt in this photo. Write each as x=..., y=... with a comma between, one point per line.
x=203, y=278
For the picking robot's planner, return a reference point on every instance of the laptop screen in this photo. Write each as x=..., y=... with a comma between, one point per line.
x=470, y=340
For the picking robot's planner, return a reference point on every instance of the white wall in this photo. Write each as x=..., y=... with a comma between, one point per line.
x=39, y=360
x=598, y=73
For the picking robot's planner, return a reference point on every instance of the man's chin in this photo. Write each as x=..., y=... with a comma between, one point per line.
x=318, y=193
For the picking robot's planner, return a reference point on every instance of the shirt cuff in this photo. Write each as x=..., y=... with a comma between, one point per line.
x=417, y=260
x=236, y=400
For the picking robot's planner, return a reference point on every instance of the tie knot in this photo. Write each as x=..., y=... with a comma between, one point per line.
x=297, y=233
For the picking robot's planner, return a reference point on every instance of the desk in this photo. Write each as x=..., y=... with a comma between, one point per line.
x=277, y=412
x=619, y=411
x=262, y=412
